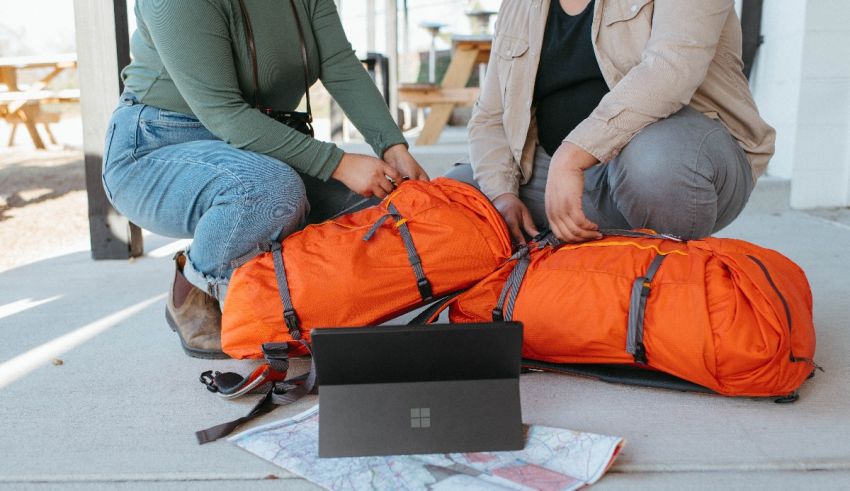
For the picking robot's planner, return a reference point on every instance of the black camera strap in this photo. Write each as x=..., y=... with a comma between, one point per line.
x=252, y=49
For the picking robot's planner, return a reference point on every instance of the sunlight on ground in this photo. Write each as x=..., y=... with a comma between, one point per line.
x=17, y=367
x=19, y=306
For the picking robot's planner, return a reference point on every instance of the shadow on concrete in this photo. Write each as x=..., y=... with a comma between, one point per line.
x=28, y=178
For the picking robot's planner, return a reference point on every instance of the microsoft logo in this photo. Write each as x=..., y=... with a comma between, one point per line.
x=420, y=417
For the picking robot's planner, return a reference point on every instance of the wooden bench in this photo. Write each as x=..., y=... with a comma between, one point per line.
x=22, y=105
x=469, y=51
x=427, y=94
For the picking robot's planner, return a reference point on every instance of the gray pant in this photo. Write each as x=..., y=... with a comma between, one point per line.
x=683, y=175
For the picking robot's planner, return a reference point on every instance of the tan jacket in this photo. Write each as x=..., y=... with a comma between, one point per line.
x=656, y=57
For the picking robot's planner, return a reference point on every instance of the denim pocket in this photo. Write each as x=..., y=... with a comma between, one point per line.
x=175, y=120
x=159, y=128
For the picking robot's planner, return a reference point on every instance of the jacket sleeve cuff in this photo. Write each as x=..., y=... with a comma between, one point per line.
x=495, y=184
x=384, y=142
x=330, y=164
x=599, y=138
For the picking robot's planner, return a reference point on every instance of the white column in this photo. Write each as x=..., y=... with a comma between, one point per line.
x=821, y=175
x=801, y=83
x=370, y=26
x=392, y=54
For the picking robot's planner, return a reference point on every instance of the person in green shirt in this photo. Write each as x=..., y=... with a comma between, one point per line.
x=191, y=153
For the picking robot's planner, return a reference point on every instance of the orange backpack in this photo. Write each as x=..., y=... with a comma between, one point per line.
x=423, y=241
x=721, y=313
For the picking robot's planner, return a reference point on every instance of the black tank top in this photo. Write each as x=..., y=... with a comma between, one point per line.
x=569, y=84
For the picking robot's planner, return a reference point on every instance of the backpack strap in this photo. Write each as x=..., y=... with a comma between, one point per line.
x=637, y=310
x=504, y=309
x=280, y=392
x=639, y=234
x=290, y=318
x=430, y=314
x=422, y=282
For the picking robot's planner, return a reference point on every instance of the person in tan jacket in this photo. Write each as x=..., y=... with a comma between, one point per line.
x=601, y=114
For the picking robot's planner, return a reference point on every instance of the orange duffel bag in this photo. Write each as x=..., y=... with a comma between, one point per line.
x=425, y=240
x=724, y=314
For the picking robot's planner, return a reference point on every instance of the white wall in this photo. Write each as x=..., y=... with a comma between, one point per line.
x=821, y=156
x=801, y=83
x=777, y=74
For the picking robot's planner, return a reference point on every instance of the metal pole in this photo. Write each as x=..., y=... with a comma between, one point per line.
x=370, y=26
x=392, y=55
x=751, y=32
x=432, y=60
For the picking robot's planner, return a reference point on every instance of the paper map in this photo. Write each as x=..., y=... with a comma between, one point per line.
x=553, y=459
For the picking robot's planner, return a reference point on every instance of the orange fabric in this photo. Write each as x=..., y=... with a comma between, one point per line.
x=336, y=279
x=712, y=316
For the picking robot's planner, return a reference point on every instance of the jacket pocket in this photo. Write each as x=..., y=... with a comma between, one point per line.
x=624, y=11
x=508, y=50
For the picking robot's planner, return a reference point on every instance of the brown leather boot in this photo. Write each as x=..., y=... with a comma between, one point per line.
x=194, y=316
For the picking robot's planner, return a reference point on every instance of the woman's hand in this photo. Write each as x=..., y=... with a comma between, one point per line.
x=399, y=157
x=366, y=176
x=564, y=190
x=516, y=216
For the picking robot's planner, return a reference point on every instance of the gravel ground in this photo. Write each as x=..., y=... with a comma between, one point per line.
x=43, y=208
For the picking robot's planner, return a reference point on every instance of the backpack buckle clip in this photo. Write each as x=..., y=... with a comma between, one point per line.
x=425, y=290
x=290, y=319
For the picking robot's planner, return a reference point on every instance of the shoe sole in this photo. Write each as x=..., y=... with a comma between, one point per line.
x=193, y=352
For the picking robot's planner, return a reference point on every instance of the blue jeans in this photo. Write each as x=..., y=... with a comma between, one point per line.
x=168, y=174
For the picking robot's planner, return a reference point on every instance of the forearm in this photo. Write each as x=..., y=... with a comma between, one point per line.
x=349, y=84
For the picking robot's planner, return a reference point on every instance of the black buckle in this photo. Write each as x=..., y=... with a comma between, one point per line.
x=290, y=319
x=208, y=379
x=277, y=356
x=425, y=289
x=498, y=315
x=640, y=354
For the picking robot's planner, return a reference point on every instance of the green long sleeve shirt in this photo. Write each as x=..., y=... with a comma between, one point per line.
x=192, y=56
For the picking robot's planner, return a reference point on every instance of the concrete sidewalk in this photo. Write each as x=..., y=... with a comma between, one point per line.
x=120, y=410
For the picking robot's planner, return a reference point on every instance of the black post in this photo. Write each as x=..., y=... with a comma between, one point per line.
x=751, y=31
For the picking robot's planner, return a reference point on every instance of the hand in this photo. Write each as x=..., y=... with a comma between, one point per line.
x=564, y=189
x=517, y=217
x=365, y=175
x=399, y=157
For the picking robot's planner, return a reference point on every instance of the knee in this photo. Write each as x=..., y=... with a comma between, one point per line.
x=462, y=173
x=277, y=205
x=663, y=191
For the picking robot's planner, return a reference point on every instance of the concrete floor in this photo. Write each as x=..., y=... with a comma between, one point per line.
x=120, y=409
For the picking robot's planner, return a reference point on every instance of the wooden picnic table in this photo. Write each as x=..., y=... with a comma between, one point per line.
x=22, y=105
x=468, y=52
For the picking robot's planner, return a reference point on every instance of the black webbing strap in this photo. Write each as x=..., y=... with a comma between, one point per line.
x=428, y=315
x=422, y=282
x=212, y=434
x=613, y=232
x=637, y=310
x=290, y=318
x=279, y=394
x=504, y=309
